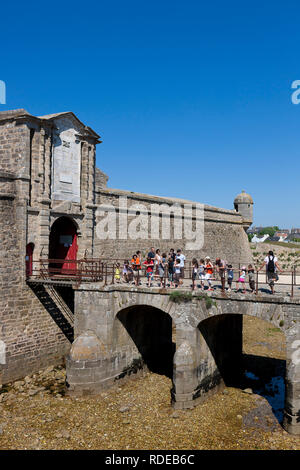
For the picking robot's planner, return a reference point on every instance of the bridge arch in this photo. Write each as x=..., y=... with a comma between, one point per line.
x=146, y=334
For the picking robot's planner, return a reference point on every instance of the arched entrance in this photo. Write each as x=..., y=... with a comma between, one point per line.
x=63, y=245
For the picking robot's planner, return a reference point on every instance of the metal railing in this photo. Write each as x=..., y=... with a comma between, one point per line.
x=105, y=270
x=90, y=270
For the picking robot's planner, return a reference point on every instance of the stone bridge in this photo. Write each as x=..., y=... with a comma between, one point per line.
x=196, y=341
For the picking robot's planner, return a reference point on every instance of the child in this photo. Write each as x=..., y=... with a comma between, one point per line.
x=177, y=272
x=251, y=278
x=195, y=267
x=208, y=272
x=202, y=273
x=149, y=269
x=229, y=276
x=136, y=265
x=241, y=279
x=117, y=273
x=125, y=271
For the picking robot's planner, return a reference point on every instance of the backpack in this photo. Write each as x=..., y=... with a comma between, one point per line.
x=271, y=265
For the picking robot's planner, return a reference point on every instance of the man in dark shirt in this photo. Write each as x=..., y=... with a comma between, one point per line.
x=151, y=253
x=172, y=254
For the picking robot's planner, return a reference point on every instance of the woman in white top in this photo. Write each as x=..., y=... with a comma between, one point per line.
x=157, y=261
x=241, y=280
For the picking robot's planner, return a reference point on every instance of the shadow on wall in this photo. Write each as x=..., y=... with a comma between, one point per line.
x=55, y=310
x=151, y=331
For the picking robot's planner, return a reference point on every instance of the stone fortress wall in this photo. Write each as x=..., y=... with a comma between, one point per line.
x=36, y=190
x=224, y=233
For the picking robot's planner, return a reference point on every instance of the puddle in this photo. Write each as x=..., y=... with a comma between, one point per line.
x=272, y=390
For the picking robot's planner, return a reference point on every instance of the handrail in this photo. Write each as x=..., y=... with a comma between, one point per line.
x=100, y=269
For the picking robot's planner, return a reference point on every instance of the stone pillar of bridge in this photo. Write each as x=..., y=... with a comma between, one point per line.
x=86, y=365
x=184, y=377
x=207, y=357
x=291, y=420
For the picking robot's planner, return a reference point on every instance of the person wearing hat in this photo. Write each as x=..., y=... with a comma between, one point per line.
x=209, y=269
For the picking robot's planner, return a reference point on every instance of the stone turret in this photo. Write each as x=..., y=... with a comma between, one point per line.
x=243, y=204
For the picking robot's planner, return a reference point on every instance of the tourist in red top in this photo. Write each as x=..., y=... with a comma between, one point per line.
x=149, y=270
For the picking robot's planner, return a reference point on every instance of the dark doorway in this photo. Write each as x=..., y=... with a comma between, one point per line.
x=151, y=331
x=63, y=245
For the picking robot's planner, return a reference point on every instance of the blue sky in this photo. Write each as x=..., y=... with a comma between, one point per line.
x=192, y=99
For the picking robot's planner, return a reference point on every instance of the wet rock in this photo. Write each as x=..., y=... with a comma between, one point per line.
x=261, y=417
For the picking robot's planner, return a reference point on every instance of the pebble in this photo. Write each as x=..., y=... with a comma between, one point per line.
x=123, y=409
x=66, y=435
x=248, y=390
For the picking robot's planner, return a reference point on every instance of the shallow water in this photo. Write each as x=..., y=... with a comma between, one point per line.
x=272, y=390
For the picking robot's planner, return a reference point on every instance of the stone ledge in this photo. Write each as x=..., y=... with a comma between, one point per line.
x=233, y=296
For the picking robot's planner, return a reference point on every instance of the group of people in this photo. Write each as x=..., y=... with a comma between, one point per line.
x=157, y=264
x=171, y=266
x=205, y=271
